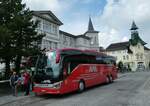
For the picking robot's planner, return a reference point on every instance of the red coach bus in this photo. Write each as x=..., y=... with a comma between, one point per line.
x=65, y=70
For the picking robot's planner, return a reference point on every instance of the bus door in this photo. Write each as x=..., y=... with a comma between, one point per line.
x=69, y=85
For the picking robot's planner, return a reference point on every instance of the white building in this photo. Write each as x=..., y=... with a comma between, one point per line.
x=48, y=24
x=133, y=52
x=55, y=38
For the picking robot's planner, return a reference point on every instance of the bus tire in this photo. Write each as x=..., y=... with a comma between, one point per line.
x=81, y=86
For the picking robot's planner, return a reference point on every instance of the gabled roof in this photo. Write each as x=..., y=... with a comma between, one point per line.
x=121, y=46
x=41, y=15
x=118, y=46
x=146, y=48
x=67, y=34
x=83, y=36
x=74, y=36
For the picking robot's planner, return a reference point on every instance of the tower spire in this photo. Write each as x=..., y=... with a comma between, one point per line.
x=135, y=38
x=133, y=27
x=90, y=26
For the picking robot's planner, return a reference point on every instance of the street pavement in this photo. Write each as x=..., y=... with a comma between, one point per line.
x=130, y=89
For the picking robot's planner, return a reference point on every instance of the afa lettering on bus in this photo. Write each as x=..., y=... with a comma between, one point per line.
x=93, y=69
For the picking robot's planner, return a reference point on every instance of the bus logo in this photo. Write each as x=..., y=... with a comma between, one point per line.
x=93, y=69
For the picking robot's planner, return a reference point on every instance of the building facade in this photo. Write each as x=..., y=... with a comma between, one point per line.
x=55, y=38
x=132, y=53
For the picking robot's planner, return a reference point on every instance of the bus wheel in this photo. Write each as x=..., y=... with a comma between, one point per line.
x=81, y=86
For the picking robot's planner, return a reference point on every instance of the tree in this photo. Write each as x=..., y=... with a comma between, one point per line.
x=23, y=34
x=6, y=50
x=6, y=41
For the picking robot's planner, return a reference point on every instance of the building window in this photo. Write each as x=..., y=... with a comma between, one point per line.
x=95, y=40
x=70, y=42
x=127, y=57
x=124, y=57
x=119, y=51
x=137, y=56
x=64, y=39
x=47, y=26
x=125, y=51
x=55, y=45
x=113, y=52
x=50, y=45
x=84, y=41
x=92, y=41
x=39, y=26
x=141, y=56
x=138, y=46
x=54, y=29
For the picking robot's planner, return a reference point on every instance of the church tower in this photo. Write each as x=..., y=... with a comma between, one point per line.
x=94, y=43
x=135, y=38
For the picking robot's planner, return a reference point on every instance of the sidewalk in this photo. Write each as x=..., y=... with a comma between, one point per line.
x=10, y=98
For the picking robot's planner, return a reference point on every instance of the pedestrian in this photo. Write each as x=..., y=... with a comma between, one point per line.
x=27, y=81
x=21, y=81
x=14, y=82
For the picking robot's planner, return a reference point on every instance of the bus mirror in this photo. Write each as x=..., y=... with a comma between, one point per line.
x=57, y=58
x=64, y=74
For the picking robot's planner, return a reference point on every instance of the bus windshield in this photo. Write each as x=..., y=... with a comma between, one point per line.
x=47, y=65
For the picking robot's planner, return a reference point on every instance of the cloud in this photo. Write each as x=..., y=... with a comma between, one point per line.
x=43, y=5
x=56, y=6
x=118, y=15
x=107, y=36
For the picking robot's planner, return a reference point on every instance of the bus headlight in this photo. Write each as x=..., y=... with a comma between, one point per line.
x=57, y=85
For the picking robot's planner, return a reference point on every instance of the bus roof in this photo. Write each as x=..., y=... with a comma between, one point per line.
x=74, y=51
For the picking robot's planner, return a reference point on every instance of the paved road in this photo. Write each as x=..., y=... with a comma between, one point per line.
x=126, y=91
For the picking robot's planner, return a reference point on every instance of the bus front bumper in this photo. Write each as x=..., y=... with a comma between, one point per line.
x=46, y=90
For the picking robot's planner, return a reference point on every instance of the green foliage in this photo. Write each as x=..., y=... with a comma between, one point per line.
x=18, y=36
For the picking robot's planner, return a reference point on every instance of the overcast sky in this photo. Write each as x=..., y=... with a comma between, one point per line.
x=112, y=18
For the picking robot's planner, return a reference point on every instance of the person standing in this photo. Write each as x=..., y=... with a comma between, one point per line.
x=13, y=83
x=27, y=78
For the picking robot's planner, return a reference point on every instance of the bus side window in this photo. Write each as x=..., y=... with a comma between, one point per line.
x=64, y=70
x=73, y=65
x=69, y=68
